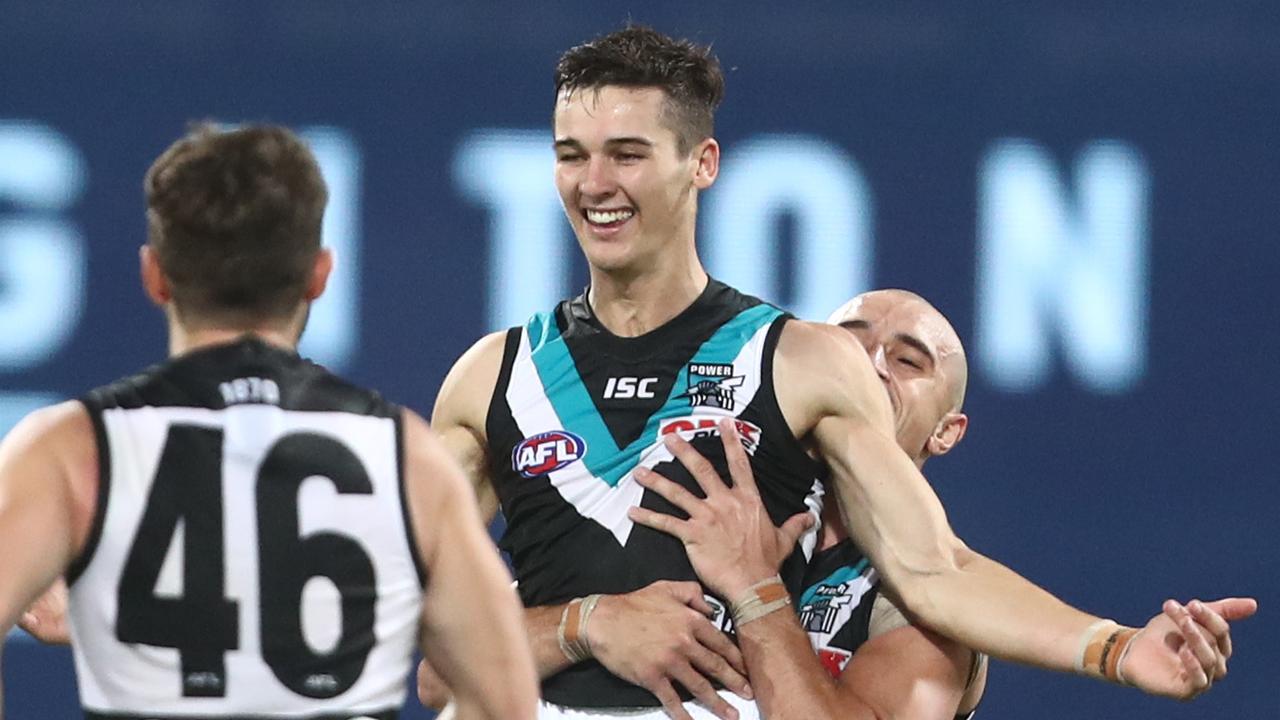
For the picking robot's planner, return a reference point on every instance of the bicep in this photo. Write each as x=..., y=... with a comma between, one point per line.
x=461, y=411
x=908, y=673
x=37, y=510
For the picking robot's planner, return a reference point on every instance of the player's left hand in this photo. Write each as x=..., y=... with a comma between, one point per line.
x=46, y=619
x=731, y=541
x=1184, y=649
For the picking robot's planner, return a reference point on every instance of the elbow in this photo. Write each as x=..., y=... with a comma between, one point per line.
x=920, y=588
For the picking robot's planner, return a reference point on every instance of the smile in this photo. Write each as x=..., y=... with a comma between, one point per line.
x=607, y=218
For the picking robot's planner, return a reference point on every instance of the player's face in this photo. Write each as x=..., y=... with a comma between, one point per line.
x=915, y=352
x=627, y=190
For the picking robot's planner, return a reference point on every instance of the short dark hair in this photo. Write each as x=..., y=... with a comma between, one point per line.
x=234, y=218
x=639, y=56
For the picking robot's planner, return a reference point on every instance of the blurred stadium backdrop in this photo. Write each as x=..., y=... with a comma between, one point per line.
x=1091, y=191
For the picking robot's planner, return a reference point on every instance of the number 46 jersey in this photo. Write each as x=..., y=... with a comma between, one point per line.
x=251, y=553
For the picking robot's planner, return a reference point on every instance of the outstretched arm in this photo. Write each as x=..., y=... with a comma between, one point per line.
x=830, y=394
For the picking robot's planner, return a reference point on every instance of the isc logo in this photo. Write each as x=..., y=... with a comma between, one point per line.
x=547, y=452
x=625, y=388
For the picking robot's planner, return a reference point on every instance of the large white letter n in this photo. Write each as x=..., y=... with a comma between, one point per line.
x=1055, y=262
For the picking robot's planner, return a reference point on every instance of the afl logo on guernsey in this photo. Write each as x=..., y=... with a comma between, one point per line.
x=547, y=452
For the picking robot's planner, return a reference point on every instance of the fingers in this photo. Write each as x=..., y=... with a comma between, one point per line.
x=689, y=593
x=796, y=526
x=1197, y=678
x=671, y=704
x=703, y=691
x=1233, y=609
x=702, y=470
x=674, y=494
x=723, y=660
x=1219, y=631
x=736, y=455
x=1203, y=655
x=662, y=522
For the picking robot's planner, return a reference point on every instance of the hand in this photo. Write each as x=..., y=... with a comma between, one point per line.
x=46, y=619
x=731, y=541
x=660, y=634
x=1185, y=648
x=432, y=692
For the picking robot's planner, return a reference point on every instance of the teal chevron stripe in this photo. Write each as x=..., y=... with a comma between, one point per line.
x=842, y=575
x=572, y=402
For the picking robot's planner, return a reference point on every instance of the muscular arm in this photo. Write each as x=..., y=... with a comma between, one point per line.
x=468, y=594
x=830, y=394
x=48, y=485
x=905, y=673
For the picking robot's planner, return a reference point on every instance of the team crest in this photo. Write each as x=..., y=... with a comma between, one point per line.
x=547, y=452
x=712, y=385
x=820, y=615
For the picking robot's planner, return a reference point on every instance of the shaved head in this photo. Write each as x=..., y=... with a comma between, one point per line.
x=919, y=358
x=931, y=322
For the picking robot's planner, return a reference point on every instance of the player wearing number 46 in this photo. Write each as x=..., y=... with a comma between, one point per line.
x=192, y=506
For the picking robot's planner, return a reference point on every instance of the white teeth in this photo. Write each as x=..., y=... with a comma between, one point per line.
x=605, y=217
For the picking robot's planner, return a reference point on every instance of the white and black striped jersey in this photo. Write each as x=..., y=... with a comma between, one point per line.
x=251, y=556
x=841, y=589
x=577, y=408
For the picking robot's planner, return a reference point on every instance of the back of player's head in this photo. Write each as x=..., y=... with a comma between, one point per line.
x=233, y=217
x=639, y=56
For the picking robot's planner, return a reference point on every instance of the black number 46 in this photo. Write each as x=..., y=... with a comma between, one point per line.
x=203, y=624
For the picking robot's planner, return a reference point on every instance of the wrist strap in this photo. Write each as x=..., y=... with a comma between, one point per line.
x=572, y=632
x=1103, y=646
x=759, y=600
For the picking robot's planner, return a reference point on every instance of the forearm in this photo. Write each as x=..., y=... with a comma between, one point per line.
x=986, y=606
x=542, y=624
x=943, y=585
x=788, y=680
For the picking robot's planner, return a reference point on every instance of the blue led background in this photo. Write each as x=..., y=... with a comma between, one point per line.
x=1091, y=191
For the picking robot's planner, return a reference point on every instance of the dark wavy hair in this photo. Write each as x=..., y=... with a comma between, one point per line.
x=234, y=218
x=639, y=56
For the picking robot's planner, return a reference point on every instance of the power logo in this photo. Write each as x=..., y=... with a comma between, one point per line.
x=699, y=427
x=547, y=452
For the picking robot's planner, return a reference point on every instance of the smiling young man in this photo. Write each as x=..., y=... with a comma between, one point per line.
x=553, y=419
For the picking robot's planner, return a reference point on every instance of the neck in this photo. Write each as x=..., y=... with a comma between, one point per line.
x=632, y=304
x=183, y=340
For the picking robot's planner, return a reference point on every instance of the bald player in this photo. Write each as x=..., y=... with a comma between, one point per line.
x=870, y=658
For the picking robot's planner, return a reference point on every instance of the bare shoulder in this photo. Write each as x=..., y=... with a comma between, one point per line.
x=56, y=447
x=820, y=370
x=464, y=396
x=60, y=429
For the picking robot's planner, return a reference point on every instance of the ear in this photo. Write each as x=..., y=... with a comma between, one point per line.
x=154, y=283
x=947, y=434
x=319, y=274
x=707, y=155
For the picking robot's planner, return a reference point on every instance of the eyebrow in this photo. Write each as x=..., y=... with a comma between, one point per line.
x=918, y=344
x=911, y=340
x=610, y=143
